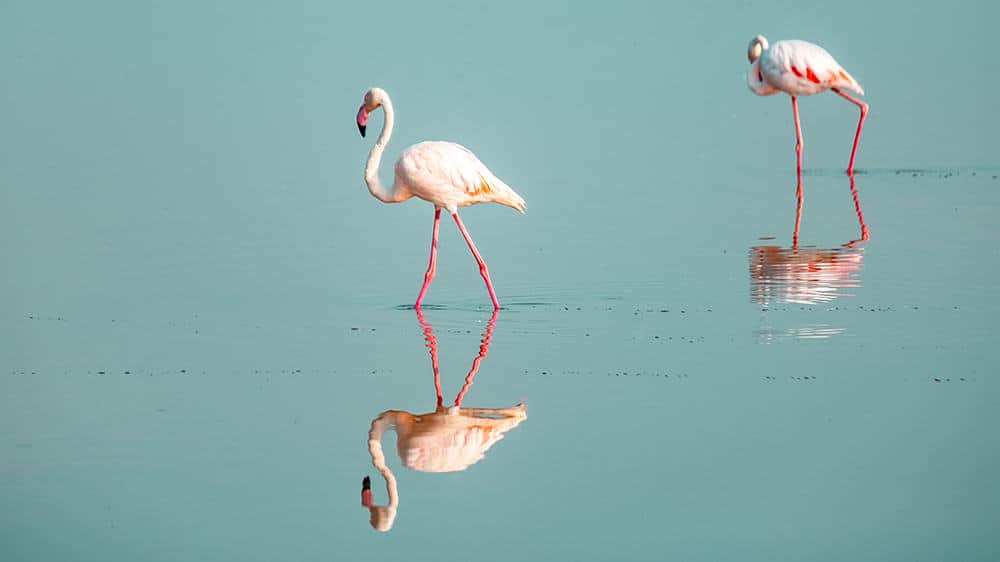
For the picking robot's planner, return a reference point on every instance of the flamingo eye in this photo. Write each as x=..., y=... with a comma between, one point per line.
x=760, y=75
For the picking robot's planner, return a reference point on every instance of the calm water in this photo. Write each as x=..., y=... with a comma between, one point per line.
x=204, y=310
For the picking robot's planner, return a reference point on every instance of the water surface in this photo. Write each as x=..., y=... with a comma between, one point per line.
x=204, y=309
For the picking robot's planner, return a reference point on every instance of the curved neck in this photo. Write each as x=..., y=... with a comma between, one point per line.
x=379, y=191
x=756, y=81
x=379, y=425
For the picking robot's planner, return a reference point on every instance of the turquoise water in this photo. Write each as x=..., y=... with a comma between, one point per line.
x=204, y=310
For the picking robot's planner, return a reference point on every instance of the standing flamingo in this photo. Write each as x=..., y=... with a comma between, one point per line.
x=443, y=173
x=799, y=68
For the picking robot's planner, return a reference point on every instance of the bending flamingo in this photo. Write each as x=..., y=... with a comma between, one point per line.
x=443, y=173
x=799, y=68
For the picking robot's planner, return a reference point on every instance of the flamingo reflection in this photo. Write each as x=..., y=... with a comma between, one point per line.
x=449, y=439
x=807, y=275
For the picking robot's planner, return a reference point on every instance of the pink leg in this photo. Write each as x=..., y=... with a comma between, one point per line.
x=861, y=123
x=798, y=213
x=432, y=345
x=484, y=347
x=479, y=259
x=432, y=266
x=861, y=217
x=798, y=138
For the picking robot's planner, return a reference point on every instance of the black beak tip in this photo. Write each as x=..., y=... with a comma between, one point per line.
x=362, y=129
x=366, y=484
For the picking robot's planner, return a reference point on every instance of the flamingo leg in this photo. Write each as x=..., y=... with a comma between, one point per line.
x=798, y=139
x=484, y=348
x=431, y=340
x=861, y=123
x=432, y=266
x=483, y=270
x=798, y=213
x=861, y=217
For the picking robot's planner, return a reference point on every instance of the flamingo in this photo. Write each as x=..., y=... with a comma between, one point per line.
x=446, y=174
x=807, y=275
x=449, y=439
x=800, y=68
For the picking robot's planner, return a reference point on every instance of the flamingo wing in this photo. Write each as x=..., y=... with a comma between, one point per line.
x=802, y=67
x=469, y=173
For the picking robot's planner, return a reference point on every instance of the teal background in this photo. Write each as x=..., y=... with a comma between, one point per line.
x=203, y=309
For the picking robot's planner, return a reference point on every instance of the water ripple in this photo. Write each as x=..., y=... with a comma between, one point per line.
x=803, y=275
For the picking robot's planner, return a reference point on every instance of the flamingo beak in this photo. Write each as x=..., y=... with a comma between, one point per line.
x=366, y=484
x=362, y=120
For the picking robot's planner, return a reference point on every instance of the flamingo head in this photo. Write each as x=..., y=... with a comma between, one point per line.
x=382, y=517
x=756, y=48
x=373, y=99
x=755, y=75
x=366, y=492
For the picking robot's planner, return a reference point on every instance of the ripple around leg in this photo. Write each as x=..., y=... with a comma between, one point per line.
x=422, y=307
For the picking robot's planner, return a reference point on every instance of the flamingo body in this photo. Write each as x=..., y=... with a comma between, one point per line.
x=450, y=176
x=451, y=439
x=800, y=68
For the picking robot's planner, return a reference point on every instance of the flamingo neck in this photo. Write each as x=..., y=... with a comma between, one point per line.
x=377, y=189
x=756, y=81
x=383, y=516
x=378, y=459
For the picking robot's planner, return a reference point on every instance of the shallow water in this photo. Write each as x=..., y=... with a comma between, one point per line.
x=204, y=310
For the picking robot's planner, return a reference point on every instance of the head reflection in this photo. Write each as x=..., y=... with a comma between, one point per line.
x=448, y=439
x=807, y=275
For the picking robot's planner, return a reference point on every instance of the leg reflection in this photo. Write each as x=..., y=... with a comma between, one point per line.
x=861, y=216
x=445, y=440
